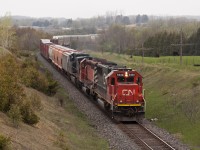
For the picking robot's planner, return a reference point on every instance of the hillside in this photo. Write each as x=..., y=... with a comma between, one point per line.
x=60, y=125
x=3, y=51
x=172, y=94
x=57, y=129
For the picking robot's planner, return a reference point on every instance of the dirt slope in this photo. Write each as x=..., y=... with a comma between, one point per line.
x=42, y=136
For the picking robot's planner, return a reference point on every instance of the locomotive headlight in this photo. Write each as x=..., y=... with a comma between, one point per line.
x=126, y=74
x=121, y=101
x=137, y=101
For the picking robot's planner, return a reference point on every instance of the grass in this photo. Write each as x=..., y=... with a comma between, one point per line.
x=79, y=133
x=172, y=92
x=169, y=61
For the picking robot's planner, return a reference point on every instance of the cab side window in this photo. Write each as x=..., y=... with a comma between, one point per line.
x=112, y=81
x=138, y=80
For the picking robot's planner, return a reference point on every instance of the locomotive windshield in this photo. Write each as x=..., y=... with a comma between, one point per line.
x=125, y=78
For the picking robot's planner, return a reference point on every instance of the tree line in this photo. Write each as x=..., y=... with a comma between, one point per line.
x=121, y=39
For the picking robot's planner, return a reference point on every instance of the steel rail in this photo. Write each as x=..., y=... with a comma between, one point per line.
x=135, y=136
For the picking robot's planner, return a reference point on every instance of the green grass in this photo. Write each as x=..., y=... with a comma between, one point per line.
x=77, y=131
x=169, y=61
x=172, y=92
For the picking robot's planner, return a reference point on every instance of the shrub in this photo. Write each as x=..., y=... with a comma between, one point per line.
x=40, y=81
x=4, y=142
x=52, y=84
x=28, y=114
x=9, y=79
x=15, y=114
x=31, y=118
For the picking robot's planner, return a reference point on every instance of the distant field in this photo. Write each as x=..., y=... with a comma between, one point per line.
x=172, y=92
x=187, y=60
x=167, y=60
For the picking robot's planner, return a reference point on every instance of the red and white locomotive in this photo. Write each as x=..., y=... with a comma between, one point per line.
x=118, y=89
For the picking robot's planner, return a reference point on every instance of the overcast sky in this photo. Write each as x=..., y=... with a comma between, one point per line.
x=90, y=8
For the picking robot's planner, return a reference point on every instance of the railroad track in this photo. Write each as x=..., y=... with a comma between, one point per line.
x=144, y=138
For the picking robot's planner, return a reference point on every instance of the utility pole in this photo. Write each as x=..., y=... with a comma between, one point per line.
x=142, y=54
x=181, y=46
x=143, y=50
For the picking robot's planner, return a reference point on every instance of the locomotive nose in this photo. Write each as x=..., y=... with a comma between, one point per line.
x=128, y=93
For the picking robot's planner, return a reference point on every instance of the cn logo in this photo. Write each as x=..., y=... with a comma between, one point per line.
x=126, y=92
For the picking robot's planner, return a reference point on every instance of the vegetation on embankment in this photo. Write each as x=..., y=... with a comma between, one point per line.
x=172, y=93
x=25, y=100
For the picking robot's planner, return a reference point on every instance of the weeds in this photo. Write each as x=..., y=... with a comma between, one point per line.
x=61, y=141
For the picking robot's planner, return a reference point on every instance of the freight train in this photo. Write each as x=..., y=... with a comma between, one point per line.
x=119, y=90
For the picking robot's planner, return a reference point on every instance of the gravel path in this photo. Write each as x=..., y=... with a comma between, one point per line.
x=106, y=128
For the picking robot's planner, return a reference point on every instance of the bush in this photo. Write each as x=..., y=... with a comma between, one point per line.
x=28, y=114
x=52, y=84
x=9, y=79
x=40, y=81
x=31, y=118
x=15, y=114
x=4, y=142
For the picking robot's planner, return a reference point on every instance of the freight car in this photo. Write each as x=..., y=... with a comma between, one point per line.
x=116, y=88
x=44, y=47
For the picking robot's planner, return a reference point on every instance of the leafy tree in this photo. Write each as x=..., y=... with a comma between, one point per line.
x=138, y=19
x=118, y=19
x=141, y=19
x=28, y=38
x=126, y=20
x=161, y=43
x=195, y=40
x=7, y=34
x=144, y=19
